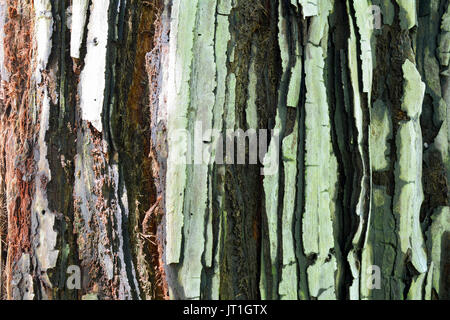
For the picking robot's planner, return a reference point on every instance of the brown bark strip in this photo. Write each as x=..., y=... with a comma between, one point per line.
x=17, y=133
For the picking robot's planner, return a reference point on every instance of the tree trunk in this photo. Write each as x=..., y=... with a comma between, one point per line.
x=123, y=160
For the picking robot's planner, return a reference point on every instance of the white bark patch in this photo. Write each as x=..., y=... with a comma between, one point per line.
x=310, y=7
x=79, y=12
x=92, y=81
x=22, y=281
x=202, y=98
x=366, y=43
x=43, y=220
x=43, y=34
x=320, y=167
x=179, y=70
x=408, y=172
x=4, y=74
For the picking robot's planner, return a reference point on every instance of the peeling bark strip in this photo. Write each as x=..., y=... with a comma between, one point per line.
x=113, y=114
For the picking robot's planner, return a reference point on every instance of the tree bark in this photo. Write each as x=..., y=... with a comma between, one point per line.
x=102, y=166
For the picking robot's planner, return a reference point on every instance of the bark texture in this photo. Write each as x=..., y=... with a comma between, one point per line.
x=94, y=172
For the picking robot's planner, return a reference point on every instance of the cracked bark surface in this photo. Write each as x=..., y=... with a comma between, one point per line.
x=94, y=95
